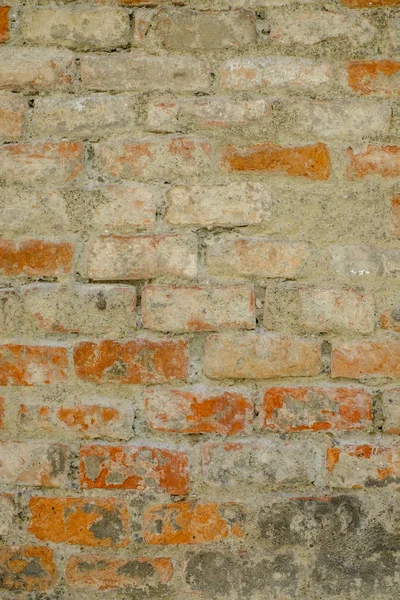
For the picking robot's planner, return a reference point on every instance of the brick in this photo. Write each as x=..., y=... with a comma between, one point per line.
x=137, y=361
x=80, y=521
x=272, y=463
x=34, y=258
x=142, y=468
x=32, y=365
x=84, y=309
x=375, y=160
x=356, y=360
x=376, y=77
x=147, y=575
x=395, y=217
x=36, y=69
x=25, y=209
x=200, y=308
x=370, y=3
x=310, y=161
x=258, y=257
x=274, y=71
x=155, y=157
x=207, y=113
x=7, y=514
x=230, y=205
x=101, y=418
x=37, y=162
x=4, y=24
x=77, y=27
x=389, y=311
x=27, y=568
x=183, y=29
x=85, y=117
x=259, y=356
x=12, y=115
x=358, y=261
x=142, y=257
x=193, y=523
x=125, y=72
x=316, y=409
x=10, y=311
x=33, y=464
x=394, y=33
x=363, y=466
x=391, y=410
x=198, y=410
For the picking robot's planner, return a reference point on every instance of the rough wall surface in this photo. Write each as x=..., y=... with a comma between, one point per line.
x=200, y=302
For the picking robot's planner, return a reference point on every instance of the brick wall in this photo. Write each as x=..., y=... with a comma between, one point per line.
x=200, y=301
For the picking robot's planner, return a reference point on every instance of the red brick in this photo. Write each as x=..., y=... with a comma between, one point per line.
x=143, y=468
x=32, y=365
x=102, y=573
x=363, y=465
x=86, y=522
x=33, y=464
x=12, y=115
x=310, y=161
x=192, y=523
x=198, y=411
x=355, y=360
x=316, y=409
x=377, y=77
x=137, y=361
x=375, y=160
x=27, y=568
x=4, y=24
x=35, y=258
x=395, y=217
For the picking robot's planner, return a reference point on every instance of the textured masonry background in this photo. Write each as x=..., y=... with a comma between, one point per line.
x=200, y=299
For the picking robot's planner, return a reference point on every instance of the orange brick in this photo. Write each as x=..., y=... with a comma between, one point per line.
x=310, y=161
x=103, y=573
x=138, y=361
x=370, y=3
x=380, y=358
x=198, y=411
x=4, y=24
x=27, y=568
x=32, y=365
x=140, y=468
x=378, y=77
x=35, y=258
x=363, y=465
x=191, y=523
x=375, y=160
x=395, y=217
x=316, y=409
x=86, y=522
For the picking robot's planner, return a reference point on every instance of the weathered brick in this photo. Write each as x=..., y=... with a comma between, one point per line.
x=193, y=523
x=183, y=29
x=394, y=32
x=7, y=514
x=257, y=257
x=272, y=463
x=316, y=409
x=4, y=24
x=363, y=466
x=395, y=217
x=82, y=117
x=142, y=257
x=24, y=209
x=124, y=72
x=32, y=365
x=198, y=410
x=33, y=464
x=84, y=309
x=137, y=361
x=35, y=258
x=312, y=161
x=356, y=360
x=81, y=521
x=142, y=468
x=100, y=418
x=259, y=356
x=200, y=308
x=76, y=27
x=375, y=160
x=155, y=157
x=36, y=69
x=10, y=311
x=12, y=115
x=37, y=162
x=27, y=568
x=146, y=575
x=274, y=71
x=207, y=113
x=358, y=261
x=377, y=77
x=391, y=410
x=230, y=205
x=388, y=309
